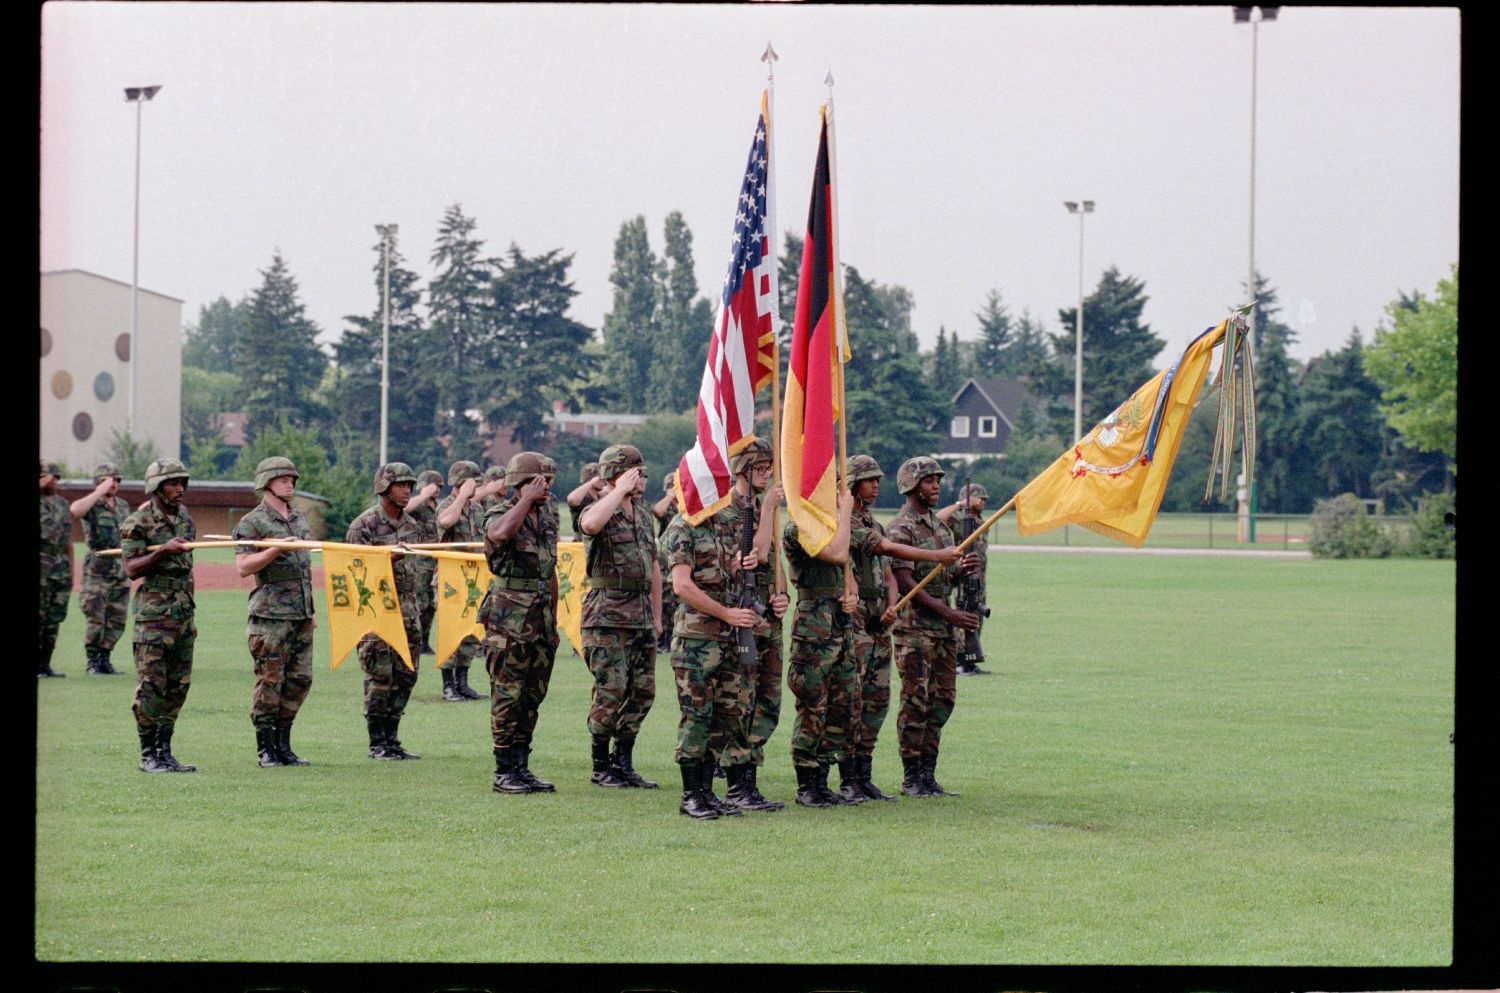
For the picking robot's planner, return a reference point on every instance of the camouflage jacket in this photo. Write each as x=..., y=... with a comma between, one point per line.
x=56, y=536
x=519, y=603
x=283, y=589
x=869, y=569
x=425, y=518
x=707, y=549
x=620, y=559
x=731, y=520
x=923, y=530
x=468, y=527
x=101, y=529
x=374, y=527
x=166, y=591
x=575, y=514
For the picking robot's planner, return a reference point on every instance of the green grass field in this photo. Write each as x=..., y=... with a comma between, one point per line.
x=1179, y=761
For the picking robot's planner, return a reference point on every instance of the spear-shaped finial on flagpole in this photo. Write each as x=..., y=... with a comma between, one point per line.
x=828, y=81
x=769, y=57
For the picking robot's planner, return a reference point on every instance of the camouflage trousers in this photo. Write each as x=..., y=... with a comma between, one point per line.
x=282, y=651
x=928, y=666
x=52, y=609
x=760, y=699
x=872, y=686
x=388, y=681
x=520, y=670
x=709, y=692
x=623, y=664
x=163, y=669
x=469, y=651
x=820, y=674
x=104, y=604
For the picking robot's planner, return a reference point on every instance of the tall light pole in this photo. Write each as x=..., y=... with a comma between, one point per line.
x=1087, y=207
x=1245, y=15
x=387, y=241
x=137, y=95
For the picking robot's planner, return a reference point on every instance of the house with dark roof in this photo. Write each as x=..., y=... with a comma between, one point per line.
x=985, y=413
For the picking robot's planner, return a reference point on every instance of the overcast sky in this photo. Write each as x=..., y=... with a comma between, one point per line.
x=961, y=131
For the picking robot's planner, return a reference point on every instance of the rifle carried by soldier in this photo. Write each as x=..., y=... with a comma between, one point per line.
x=970, y=593
x=744, y=594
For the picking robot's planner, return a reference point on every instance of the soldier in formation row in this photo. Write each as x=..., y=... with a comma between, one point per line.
x=105, y=598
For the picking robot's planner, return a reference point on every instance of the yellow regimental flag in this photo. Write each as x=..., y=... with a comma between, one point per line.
x=1112, y=480
x=361, y=599
x=572, y=581
x=463, y=578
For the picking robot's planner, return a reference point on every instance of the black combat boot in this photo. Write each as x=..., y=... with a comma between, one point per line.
x=506, y=778
x=150, y=760
x=742, y=793
x=92, y=666
x=379, y=746
x=461, y=683
x=605, y=773
x=821, y=780
x=693, y=803
x=164, y=749
x=706, y=780
x=393, y=743
x=915, y=783
x=870, y=789
x=537, y=785
x=44, y=663
x=808, y=794
x=450, y=690
x=265, y=746
x=105, y=667
x=718, y=770
x=284, y=745
x=929, y=767
x=850, y=790
x=625, y=766
x=751, y=773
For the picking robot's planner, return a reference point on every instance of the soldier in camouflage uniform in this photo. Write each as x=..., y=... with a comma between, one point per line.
x=820, y=670
x=460, y=519
x=926, y=652
x=870, y=552
x=104, y=600
x=422, y=510
x=520, y=617
x=589, y=489
x=759, y=698
x=493, y=490
x=280, y=630
x=664, y=510
x=57, y=567
x=621, y=614
x=963, y=521
x=388, y=682
x=702, y=558
x=164, y=610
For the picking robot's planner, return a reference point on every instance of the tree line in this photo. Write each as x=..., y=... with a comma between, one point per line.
x=487, y=345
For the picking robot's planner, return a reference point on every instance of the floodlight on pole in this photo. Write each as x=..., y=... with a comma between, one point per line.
x=387, y=234
x=137, y=95
x=1075, y=207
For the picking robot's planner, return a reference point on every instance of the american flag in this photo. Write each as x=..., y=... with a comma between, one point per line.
x=742, y=351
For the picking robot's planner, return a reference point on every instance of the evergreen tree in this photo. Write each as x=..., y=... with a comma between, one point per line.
x=281, y=365
x=947, y=369
x=212, y=344
x=684, y=322
x=461, y=321
x=1341, y=421
x=1283, y=478
x=1027, y=354
x=630, y=327
x=991, y=357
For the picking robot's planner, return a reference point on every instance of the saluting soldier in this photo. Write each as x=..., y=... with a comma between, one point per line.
x=164, y=610
x=493, y=490
x=589, y=487
x=926, y=650
x=104, y=600
x=57, y=567
x=664, y=510
x=423, y=510
x=759, y=703
x=621, y=614
x=280, y=630
x=963, y=518
x=520, y=617
x=388, y=681
x=460, y=518
x=870, y=552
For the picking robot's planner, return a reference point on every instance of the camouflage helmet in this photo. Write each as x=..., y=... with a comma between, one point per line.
x=589, y=471
x=50, y=468
x=913, y=471
x=461, y=470
x=973, y=490
x=758, y=450
x=549, y=467
x=106, y=470
x=860, y=468
x=523, y=465
x=393, y=472
x=494, y=472
x=429, y=476
x=273, y=468
x=163, y=470
x=616, y=459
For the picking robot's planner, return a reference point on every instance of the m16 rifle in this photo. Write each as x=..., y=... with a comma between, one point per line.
x=970, y=592
x=744, y=594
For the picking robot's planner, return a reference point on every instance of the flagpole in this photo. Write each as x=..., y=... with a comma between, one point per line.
x=961, y=546
x=841, y=328
x=769, y=57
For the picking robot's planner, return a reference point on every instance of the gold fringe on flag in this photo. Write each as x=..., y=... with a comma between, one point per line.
x=1236, y=421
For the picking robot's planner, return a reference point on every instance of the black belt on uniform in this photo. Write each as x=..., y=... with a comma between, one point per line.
x=166, y=584
x=520, y=583
x=616, y=583
x=817, y=592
